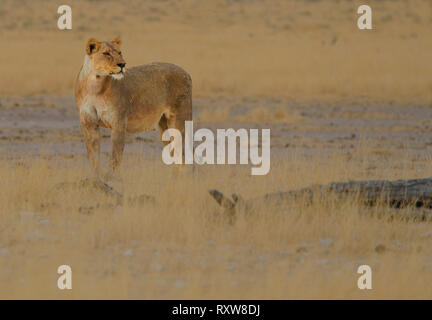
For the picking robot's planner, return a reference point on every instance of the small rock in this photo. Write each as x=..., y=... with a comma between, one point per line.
x=35, y=235
x=427, y=234
x=323, y=261
x=231, y=266
x=301, y=249
x=43, y=221
x=380, y=248
x=262, y=259
x=283, y=253
x=328, y=242
x=85, y=210
x=128, y=252
x=4, y=251
x=26, y=214
x=157, y=267
x=400, y=244
x=179, y=284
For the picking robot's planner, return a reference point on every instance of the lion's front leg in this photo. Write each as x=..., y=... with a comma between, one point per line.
x=118, y=142
x=92, y=141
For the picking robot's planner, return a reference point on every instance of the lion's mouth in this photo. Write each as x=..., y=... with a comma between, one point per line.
x=118, y=76
x=121, y=72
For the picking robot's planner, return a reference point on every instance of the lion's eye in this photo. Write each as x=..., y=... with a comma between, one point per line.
x=106, y=53
x=120, y=52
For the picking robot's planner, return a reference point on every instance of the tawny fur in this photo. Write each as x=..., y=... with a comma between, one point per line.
x=143, y=97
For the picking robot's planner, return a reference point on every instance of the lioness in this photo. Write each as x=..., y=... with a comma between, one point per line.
x=139, y=99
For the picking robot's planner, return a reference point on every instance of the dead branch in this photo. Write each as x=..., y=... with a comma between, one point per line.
x=395, y=194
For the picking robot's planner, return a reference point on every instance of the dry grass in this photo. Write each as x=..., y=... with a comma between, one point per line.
x=182, y=247
x=294, y=49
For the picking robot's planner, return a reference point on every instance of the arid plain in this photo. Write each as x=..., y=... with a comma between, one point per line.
x=341, y=104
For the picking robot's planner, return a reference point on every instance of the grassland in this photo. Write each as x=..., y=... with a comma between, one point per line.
x=342, y=104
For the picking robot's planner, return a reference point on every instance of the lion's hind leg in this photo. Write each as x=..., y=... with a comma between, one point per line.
x=162, y=126
x=176, y=119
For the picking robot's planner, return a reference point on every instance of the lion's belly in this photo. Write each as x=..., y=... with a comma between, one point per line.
x=97, y=110
x=143, y=121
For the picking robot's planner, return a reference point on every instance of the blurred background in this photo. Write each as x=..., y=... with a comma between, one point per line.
x=297, y=49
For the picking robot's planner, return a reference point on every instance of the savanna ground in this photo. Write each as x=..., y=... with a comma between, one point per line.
x=341, y=103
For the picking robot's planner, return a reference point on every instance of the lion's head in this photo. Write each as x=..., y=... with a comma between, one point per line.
x=106, y=57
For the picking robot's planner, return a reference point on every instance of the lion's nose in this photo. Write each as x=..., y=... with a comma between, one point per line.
x=121, y=65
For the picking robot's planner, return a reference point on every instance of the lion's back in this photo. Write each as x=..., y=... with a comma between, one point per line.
x=159, y=72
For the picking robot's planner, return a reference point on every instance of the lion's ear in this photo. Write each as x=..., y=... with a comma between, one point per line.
x=92, y=46
x=117, y=41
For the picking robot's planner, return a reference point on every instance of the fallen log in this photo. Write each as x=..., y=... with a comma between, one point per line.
x=395, y=194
